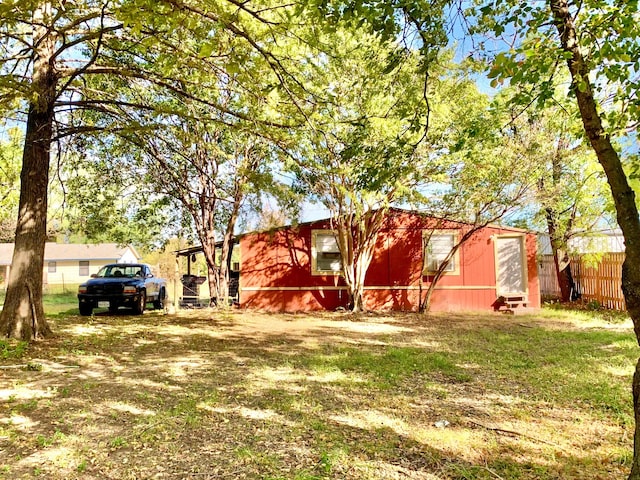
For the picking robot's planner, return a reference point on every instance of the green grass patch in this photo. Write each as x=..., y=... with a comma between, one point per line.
x=47, y=441
x=12, y=349
x=593, y=367
x=58, y=303
x=241, y=396
x=387, y=367
x=64, y=298
x=586, y=310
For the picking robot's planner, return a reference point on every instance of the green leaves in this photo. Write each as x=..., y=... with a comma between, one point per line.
x=362, y=149
x=10, y=157
x=609, y=42
x=206, y=49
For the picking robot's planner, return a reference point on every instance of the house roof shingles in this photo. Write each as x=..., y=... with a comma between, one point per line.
x=69, y=251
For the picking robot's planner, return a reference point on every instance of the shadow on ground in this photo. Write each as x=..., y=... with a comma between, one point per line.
x=209, y=394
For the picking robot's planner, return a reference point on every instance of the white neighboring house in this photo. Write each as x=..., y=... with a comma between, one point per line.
x=67, y=264
x=603, y=241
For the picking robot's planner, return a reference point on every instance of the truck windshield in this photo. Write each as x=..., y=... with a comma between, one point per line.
x=115, y=271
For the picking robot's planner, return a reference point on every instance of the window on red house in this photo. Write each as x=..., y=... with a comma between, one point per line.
x=326, y=253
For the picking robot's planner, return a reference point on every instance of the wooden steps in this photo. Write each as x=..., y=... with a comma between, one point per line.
x=509, y=303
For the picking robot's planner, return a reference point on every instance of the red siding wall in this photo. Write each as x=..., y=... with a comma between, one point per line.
x=275, y=272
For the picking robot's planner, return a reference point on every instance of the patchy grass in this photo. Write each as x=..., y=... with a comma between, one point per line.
x=12, y=349
x=228, y=395
x=57, y=302
x=62, y=304
x=66, y=298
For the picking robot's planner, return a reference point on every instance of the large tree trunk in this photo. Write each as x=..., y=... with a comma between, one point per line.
x=209, y=250
x=357, y=237
x=562, y=263
x=227, y=249
x=561, y=259
x=223, y=280
x=204, y=219
x=23, y=314
x=356, y=288
x=206, y=234
x=347, y=254
x=212, y=278
x=623, y=195
x=223, y=273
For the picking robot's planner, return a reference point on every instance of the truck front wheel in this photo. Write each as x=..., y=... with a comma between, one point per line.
x=85, y=310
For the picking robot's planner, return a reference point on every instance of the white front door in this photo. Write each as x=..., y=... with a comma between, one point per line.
x=511, y=265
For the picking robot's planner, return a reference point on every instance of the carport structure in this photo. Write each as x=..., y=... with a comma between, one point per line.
x=190, y=297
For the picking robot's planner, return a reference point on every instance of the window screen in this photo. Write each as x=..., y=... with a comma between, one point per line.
x=438, y=248
x=327, y=253
x=52, y=267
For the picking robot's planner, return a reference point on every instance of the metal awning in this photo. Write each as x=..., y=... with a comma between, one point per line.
x=185, y=252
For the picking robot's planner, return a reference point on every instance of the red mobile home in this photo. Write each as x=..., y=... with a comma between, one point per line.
x=297, y=268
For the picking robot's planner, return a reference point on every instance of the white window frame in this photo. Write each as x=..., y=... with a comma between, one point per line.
x=52, y=266
x=454, y=267
x=315, y=234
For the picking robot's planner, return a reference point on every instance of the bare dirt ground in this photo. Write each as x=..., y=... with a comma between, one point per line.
x=233, y=395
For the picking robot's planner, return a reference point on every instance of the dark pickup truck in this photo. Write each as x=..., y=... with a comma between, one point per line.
x=130, y=285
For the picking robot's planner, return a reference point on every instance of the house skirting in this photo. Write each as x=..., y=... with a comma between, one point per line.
x=378, y=297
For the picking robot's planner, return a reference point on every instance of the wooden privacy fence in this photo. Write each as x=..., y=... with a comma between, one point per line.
x=598, y=281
